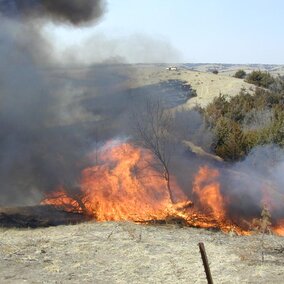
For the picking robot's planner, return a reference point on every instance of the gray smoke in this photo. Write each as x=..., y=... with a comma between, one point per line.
x=70, y=11
x=40, y=148
x=30, y=149
x=137, y=48
x=255, y=182
x=51, y=118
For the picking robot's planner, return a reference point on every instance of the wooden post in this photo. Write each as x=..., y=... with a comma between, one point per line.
x=205, y=263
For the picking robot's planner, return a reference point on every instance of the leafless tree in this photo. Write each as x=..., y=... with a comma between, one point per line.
x=153, y=127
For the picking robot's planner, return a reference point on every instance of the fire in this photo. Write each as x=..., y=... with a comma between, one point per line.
x=123, y=185
x=207, y=188
x=279, y=228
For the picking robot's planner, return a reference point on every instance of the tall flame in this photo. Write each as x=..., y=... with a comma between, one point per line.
x=207, y=189
x=123, y=185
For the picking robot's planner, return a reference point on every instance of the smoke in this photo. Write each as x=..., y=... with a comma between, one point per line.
x=39, y=151
x=26, y=102
x=255, y=182
x=98, y=48
x=69, y=11
x=51, y=117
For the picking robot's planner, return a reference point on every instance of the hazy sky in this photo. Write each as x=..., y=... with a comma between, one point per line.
x=217, y=31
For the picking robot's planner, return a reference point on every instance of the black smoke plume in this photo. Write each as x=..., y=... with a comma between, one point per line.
x=70, y=11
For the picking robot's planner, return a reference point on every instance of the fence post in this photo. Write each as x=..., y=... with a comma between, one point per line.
x=205, y=263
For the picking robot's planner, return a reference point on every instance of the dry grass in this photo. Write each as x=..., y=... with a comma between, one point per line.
x=207, y=85
x=130, y=253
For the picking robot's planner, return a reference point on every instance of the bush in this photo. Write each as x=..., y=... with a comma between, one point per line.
x=240, y=74
x=230, y=141
x=245, y=122
x=260, y=79
x=215, y=71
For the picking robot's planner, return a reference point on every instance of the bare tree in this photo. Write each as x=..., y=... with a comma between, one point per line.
x=153, y=127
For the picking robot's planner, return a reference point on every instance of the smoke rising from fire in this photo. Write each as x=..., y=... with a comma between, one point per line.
x=37, y=151
x=49, y=120
x=69, y=11
x=26, y=104
x=137, y=48
x=256, y=181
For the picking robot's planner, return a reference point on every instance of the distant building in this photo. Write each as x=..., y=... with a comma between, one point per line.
x=172, y=68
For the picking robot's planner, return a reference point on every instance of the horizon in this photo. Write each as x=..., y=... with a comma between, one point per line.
x=203, y=32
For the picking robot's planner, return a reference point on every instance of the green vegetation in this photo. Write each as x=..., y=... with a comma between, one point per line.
x=260, y=79
x=240, y=74
x=215, y=71
x=246, y=121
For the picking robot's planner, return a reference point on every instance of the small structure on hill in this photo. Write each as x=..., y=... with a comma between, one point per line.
x=172, y=68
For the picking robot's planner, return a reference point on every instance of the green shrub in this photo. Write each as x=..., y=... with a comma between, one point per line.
x=231, y=141
x=245, y=121
x=215, y=71
x=241, y=74
x=260, y=79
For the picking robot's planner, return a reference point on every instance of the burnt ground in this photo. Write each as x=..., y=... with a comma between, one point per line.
x=131, y=253
x=37, y=216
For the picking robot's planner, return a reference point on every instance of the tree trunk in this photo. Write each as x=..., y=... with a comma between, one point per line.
x=167, y=178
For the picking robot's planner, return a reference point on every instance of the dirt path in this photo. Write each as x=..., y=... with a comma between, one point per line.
x=129, y=253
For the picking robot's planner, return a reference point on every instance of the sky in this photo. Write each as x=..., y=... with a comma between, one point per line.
x=203, y=31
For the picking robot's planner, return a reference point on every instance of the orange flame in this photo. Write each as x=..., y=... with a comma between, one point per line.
x=207, y=188
x=124, y=186
x=278, y=229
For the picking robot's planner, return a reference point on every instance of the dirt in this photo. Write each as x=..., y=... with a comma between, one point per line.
x=131, y=253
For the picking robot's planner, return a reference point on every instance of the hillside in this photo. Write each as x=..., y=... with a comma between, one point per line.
x=230, y=69
x=143, y=79
x=207, y=85
x=129, y=253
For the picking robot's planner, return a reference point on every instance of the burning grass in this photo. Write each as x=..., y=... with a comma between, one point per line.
x=124, y=186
